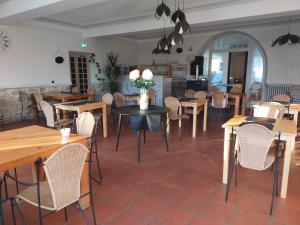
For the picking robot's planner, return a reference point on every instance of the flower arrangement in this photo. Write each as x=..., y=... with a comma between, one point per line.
x=144, y=82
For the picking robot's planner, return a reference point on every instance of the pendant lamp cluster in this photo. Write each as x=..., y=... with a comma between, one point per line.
x=181, y=26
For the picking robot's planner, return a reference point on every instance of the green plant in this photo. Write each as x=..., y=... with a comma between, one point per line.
x=112, y=71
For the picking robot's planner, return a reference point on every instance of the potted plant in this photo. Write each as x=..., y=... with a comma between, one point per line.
x=112, y=71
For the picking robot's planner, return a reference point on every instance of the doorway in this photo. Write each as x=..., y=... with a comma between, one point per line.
x=237, y=70
x=80, y=71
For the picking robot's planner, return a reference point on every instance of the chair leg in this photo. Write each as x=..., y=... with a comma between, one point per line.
x=99, y=181
x=91, y=190
x=16, y=176
x=164, y=132
x=144, y=136
x=119, y=131
x=275, y=177
x=85, y=219
x=66, y=214
x=229, y=177
x=19, y=212
x=12, y=212
x=235, y=169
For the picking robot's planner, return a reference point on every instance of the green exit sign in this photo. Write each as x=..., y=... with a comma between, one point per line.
x=84, y=45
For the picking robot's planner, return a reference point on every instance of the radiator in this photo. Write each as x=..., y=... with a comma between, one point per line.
x=271, y=90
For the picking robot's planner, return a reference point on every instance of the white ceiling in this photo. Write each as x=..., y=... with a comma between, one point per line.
x=135, y=18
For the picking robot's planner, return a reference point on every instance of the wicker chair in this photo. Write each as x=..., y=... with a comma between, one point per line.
x=86, y=126
x=51, y=117
x=236, y=90
x=283, y=98
x=38, y=97
x=277, y=105
x=212, y=89
x=25, y=104
x=189, y=93
x=266, y=111
x=119, y=99
x=254, y=141
x=152, y=95
x=63, y=171
x=175, y=111
x=219, y=103
x=200, y=95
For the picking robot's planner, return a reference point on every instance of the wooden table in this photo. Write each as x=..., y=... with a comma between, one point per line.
x=20, y=147
x=237, y=101
x=288, y=131
x=83, y=106
x=195, y=104
x=66, y=97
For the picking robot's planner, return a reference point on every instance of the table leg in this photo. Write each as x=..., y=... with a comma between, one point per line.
x=244, y=105
x=286, y=166
x=237, y=105
x=104, y=121
x=1, y=208
x=226, y=154
x=168, y=123
x=138, y=145
x=194, y=121
x=165, y=132
x=119, y=131
x=65, y=112
x=180, y=121
x=205, y=116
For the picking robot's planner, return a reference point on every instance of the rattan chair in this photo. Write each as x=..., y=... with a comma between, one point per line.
x=277, y=105
x=175, y=112
x=189, y=93
x=119, y=99
x=63, y=171
x=219, y=103
x=51, y=117
x=38, y=97
x=152, y=95
x=266, y=111
x=282, y=98
x=200, y=95
x=236, y=90
x=86, y=126
x=254, y=153
x=25, y=104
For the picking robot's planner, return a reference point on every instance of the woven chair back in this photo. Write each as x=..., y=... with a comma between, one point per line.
x=85, y=124
x=255, y=141
x=266, y=111
x=200, y=95
x=282, y=98
x=174, y=105
x=119, y=99
x=189, y=93
x=219, y=100
x=236, y=90
x=277, y=105
x=48, y=112
x=63, y=170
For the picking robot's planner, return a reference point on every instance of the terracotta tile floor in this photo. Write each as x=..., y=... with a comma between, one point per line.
x=182, y=187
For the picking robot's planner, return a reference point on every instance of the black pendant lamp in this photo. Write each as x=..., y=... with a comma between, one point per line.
x=163, y=43
x=178, y=15
x=182, y=27
x=156, y=50
x=162, y=10
x=175, y=38
x=287, y=39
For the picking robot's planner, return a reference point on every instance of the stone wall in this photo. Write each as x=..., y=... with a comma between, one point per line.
x=10, y=104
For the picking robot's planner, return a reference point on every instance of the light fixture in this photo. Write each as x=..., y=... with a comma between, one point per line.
x=178, y=15
x=163, y=43
x=175, y=38
x=162, y=10
x=156, y=50
x=288, y=38
x=182, y=27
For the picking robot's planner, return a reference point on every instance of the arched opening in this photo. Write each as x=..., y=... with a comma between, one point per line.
x=234, y=59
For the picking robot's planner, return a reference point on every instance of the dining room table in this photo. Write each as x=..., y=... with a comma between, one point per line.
x=240, y=103
x=66, y=97
x=288, y=133
x=151, y=119
x=83, y=106
x=24, y=146
x=195, y=104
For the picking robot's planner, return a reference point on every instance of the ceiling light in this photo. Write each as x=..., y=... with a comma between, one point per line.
x=175, y=38
x=182, y=27
x=288, y=38
x=162, y=10
x=163, y=43
x=178, y=16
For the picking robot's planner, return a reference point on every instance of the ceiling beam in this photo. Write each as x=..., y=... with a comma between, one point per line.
x=16, y=11
x=235, y=13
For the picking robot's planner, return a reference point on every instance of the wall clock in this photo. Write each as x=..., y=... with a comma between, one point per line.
x=5, y=41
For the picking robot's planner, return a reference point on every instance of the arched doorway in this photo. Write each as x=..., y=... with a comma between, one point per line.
x=234, y=58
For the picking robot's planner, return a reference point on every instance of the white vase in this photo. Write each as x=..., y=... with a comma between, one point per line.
x=143, y=99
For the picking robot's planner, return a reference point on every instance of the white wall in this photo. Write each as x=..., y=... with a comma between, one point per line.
x=283, y=62
x=30, y=60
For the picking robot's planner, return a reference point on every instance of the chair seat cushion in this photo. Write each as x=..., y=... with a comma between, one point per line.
x=29, y=195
